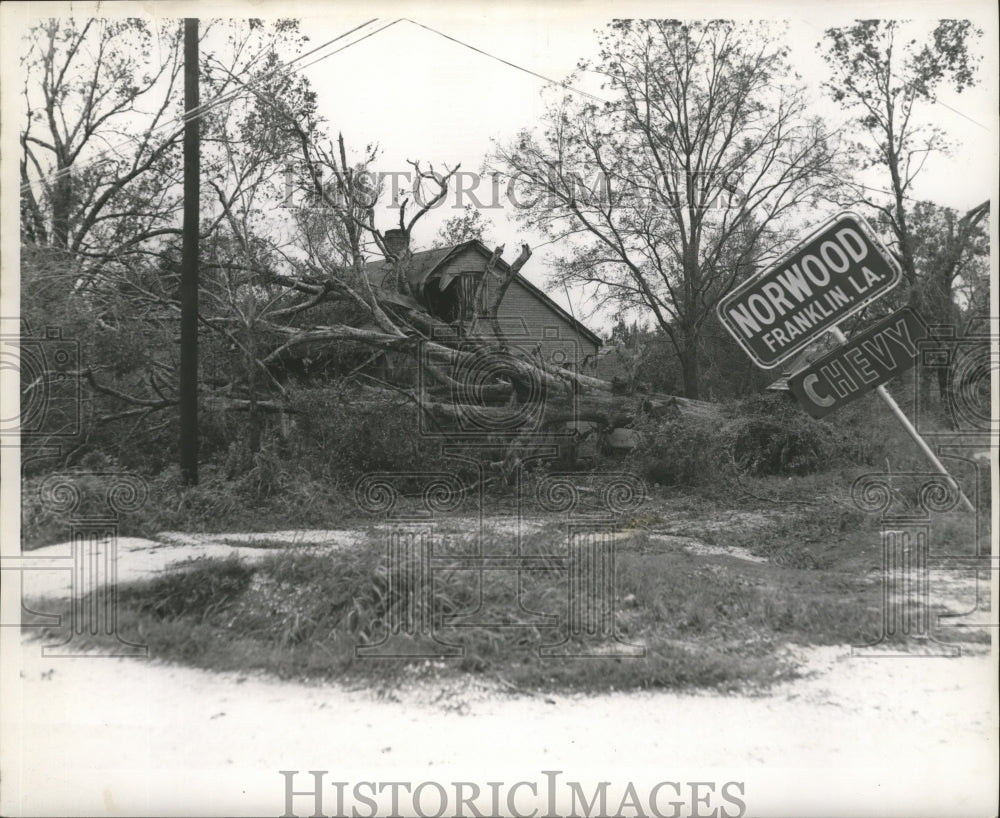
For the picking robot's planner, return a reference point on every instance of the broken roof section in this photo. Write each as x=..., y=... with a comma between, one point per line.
x=435, y=265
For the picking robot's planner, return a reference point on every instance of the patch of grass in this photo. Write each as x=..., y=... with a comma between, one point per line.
x=957, y=533
x=703, y=622
x=839, y=538
x=214, y=505
x=202, y=589
x=733, y=607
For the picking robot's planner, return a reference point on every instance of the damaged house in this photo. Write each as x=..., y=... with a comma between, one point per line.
x=457, y=284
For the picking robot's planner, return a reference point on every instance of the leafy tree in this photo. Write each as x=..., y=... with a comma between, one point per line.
x=685, y=178
x=884, y=76
x=885, y=73
x=951, y=252
x=470, y=225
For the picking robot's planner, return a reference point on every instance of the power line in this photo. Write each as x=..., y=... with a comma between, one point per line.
x=229, y=96
x=507, y=62
x=956, y=111
x=201, y=110
x=349, y=45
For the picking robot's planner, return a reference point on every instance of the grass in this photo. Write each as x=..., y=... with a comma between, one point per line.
x=704, y=621
x=215, y=505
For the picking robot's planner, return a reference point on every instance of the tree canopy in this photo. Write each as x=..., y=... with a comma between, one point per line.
x=683, y=180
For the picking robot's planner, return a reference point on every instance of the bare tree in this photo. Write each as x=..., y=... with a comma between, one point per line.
x=85, y=83
x=100, y=158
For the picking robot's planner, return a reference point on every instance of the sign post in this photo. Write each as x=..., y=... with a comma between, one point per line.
x=912, y=431
x=834, y=272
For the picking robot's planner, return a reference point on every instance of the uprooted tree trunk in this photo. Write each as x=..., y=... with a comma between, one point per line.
x=386, y=322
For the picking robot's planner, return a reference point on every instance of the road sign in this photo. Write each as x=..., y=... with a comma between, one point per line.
x=835, y=271
x=864, y=363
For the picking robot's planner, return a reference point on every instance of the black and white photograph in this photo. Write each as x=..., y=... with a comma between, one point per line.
x=499, y=409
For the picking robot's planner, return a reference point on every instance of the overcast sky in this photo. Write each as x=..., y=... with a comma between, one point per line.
x=421, y=96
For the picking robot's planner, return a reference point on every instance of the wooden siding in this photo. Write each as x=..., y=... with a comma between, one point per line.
x=555, y=333
x=527, y=319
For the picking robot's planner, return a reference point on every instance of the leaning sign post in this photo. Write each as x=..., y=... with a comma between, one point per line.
x=834, y=272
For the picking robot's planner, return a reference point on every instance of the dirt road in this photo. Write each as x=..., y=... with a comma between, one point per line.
x=89, y=735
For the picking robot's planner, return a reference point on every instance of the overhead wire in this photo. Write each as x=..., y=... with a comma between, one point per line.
x=600, y=99
x=350, y=45
x=506, y=62
x=204, y=108
x=229, y=96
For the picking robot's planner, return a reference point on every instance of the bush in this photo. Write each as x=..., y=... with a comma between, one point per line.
x=40, y=523
x=767, y=434
x=770, y=434
x=339, y=441
x=679, y=451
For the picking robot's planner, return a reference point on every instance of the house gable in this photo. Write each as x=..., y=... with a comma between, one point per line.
x=445, y=279
x=473, y=256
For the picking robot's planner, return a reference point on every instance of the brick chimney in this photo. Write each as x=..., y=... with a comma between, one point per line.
x=396, y=241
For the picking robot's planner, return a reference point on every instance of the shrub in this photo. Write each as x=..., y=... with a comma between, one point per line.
x=767, y=434
x=770, y=434
x=679, y=451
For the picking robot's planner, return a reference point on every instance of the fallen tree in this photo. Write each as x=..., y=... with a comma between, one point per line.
x=265, y=301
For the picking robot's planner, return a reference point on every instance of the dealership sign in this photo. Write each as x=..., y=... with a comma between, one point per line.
x=836, y=271
x=867, y=361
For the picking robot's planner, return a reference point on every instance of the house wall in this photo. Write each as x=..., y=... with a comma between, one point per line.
x=557, y=335
x=527, y=319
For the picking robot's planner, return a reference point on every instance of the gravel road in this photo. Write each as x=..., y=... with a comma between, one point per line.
x=889, y=736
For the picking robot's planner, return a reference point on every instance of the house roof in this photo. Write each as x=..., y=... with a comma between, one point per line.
x=820, y=346
x=424, y=264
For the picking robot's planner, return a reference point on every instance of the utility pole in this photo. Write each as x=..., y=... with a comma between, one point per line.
x=189, y=262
